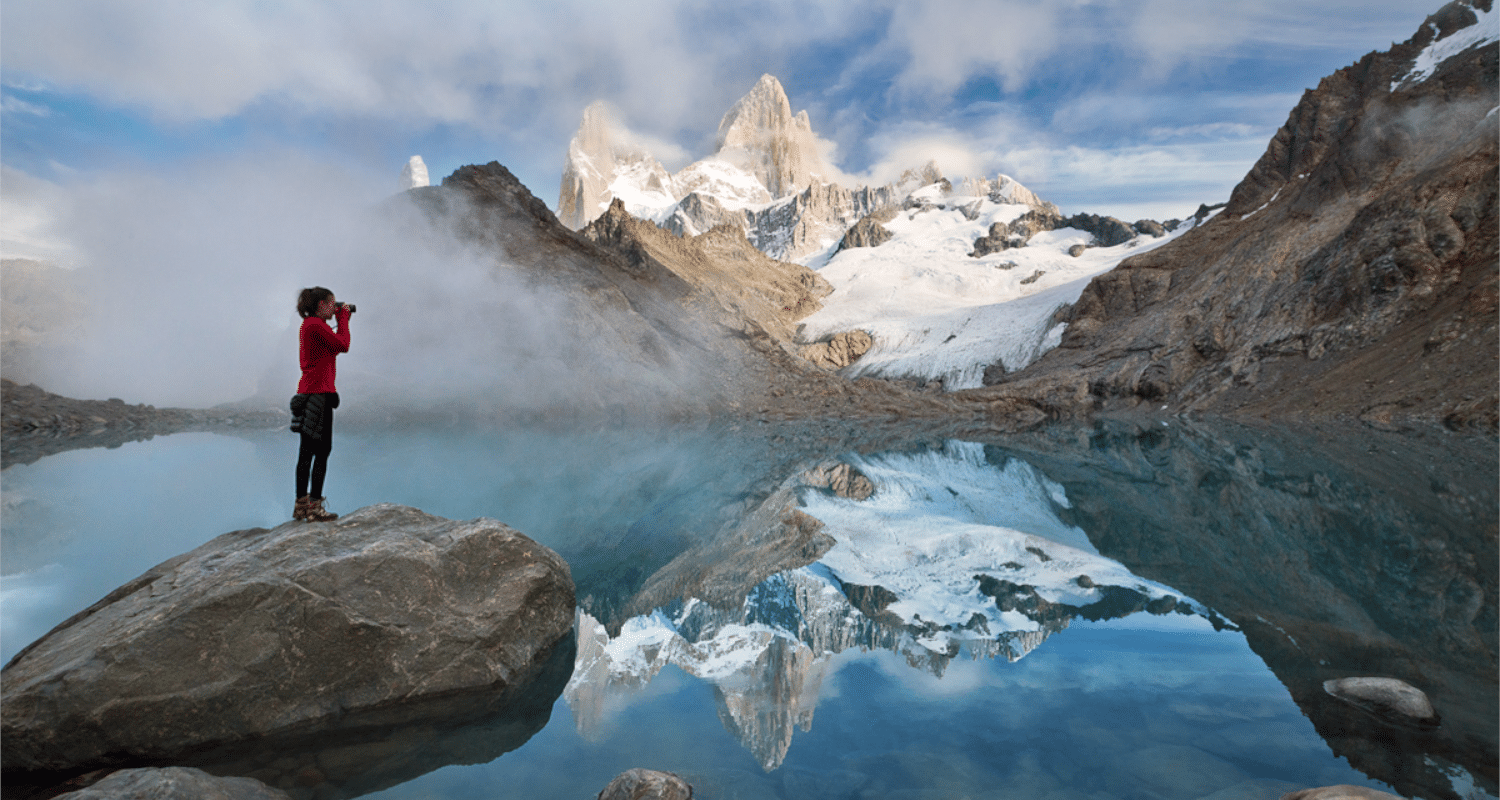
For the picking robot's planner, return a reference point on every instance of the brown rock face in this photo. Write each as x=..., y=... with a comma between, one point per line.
x=287, y=632
x=1352, y=273
x=721, y=264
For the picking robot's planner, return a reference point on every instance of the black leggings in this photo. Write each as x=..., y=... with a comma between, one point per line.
x=312, y=456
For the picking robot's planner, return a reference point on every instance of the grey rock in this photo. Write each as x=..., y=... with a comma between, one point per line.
x=1149, y=227
x=1077, y=250
x=1340, y=792
x=1107, y=231
x=174, y=783
x=647, y=784
x=993, y=374
x=1003, y=236
x=266, y=632
x=868, y=232
x=1387, y=697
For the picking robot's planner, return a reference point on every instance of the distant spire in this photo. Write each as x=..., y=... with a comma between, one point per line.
x=414, y=174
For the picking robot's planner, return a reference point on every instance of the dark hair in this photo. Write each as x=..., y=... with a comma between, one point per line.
x=310, y=299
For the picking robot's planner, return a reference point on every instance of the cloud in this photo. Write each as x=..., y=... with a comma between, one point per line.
x=948, y=42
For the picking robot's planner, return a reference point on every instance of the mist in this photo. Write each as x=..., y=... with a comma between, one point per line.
x=190, y=280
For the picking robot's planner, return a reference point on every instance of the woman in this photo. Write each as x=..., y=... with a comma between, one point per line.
x=312, y=408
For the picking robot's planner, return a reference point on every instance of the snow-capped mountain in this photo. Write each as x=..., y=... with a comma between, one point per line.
x=968, y=282
x=766, y=176
x=941, y=554
x=952, y=281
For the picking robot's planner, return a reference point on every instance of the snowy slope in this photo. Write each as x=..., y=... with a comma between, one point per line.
x=937, y=313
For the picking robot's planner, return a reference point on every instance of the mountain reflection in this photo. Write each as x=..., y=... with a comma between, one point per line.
x=932, y=554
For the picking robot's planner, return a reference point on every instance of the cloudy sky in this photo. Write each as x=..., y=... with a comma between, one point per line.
x=1099, y=105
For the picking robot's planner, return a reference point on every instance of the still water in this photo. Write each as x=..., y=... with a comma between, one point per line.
x=1126, y=610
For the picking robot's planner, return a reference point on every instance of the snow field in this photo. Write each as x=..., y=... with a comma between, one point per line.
x=935, y=312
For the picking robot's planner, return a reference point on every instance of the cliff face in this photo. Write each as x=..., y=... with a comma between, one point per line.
x=1352, y=273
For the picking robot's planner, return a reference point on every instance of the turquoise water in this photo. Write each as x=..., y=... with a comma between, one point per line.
x=782, y=696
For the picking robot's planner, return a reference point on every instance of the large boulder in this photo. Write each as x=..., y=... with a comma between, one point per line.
x=174, y=783
x=286, y=633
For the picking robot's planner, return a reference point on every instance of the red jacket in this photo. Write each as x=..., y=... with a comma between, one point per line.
x=319, y=346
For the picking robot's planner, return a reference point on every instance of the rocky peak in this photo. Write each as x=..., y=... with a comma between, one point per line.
x=761, y=135
x=596, y=158
x=1347, y=271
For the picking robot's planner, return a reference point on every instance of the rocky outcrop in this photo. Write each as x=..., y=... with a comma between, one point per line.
x=38, y=423
x=810, y=220
x=305, y=632
x=721, y=264
x=868, y=232
x=838, y=351
x=1340, y=792
x=1350, y=275
x=174, y=783
x=647, y=784
x=1003, y=236
x=1107, y=231
x=596, y=157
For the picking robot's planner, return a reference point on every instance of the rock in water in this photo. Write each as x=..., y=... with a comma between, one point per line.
x=285, y=631
x=646, y=784
x=414, y=174
x=1387, y=697
x=174, y=783
x=1340, y=792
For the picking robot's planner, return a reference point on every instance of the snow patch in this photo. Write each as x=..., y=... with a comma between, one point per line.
x=1484, y=31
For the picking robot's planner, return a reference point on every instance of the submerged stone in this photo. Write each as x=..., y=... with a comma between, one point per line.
x=1387, y=697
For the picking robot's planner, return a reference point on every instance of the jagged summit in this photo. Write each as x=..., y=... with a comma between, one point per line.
x=766, y=176
x=761, y=135
x=601, y=166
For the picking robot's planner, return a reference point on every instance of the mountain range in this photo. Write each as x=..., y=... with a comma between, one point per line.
x=1349, y=275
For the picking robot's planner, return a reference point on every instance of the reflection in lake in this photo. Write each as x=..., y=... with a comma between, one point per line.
x=1120, y=610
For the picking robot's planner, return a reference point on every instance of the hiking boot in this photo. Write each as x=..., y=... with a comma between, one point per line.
x=300, y=511
x=317, y=513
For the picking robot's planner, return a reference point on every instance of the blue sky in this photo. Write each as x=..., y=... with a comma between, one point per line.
x=1100, y=106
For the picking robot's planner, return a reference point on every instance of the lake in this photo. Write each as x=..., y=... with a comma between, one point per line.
x=1137, y=609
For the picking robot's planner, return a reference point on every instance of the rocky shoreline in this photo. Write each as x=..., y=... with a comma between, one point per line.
x=36, y=423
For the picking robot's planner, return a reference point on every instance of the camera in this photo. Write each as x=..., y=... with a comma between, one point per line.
x=349, y=306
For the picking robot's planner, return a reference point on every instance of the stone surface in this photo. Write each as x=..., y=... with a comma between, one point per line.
x=760, y=134
x=1351, y=275
x=1107, y=231
x=1387, y=697
x=841, y=350
x=1340, y=792
x=646, y=784
x=868, y=232
x=285, y=631
x=174, y=783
